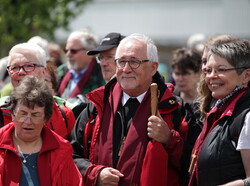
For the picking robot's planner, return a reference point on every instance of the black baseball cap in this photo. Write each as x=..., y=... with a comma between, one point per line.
x=109, y=41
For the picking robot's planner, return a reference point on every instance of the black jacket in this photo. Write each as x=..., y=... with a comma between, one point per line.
x=222, y=162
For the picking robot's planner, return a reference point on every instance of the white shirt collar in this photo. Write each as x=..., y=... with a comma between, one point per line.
x=125, y=97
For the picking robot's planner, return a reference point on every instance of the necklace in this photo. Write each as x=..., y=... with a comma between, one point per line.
x=34, y=149
x=29, y=160
x=24, y=158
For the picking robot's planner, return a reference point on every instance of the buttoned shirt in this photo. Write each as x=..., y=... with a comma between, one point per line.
x=75, y=78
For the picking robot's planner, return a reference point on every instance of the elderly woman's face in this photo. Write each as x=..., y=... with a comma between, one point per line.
x=20, y=59
x=28, y=122
x=221, y=77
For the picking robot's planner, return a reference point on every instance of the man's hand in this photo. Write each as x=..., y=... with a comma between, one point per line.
x=158, y=129
x=109, y=177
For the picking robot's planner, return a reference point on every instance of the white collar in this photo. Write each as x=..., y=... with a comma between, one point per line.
x=125, y=97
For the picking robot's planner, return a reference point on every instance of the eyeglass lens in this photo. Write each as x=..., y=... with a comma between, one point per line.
x=26, y=68
x=133, y=63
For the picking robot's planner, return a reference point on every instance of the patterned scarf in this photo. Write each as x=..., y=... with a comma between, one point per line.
x=220, y=102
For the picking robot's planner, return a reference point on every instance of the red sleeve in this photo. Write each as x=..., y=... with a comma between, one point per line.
x=69, y=175
x=91, y=174
x=74, y=175
x=174, y=147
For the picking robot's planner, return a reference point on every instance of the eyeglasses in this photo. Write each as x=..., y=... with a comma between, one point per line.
x=23, y=116
x=134, y=63
x=100, y=58
x=27, y=68
x=73, y=51
x=208, y=71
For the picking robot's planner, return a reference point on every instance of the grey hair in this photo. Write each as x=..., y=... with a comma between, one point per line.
x=88, y=39
x=30, y=92
x=152, y=52
x=43, y=43
x=236, y=52
x=24, y=48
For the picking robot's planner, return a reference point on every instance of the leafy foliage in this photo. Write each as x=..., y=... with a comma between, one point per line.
x=20, y=20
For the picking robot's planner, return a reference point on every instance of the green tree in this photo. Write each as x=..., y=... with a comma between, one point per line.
x=20, y=20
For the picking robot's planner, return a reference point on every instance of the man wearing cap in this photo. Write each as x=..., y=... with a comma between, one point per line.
x=106, y=52
x=84, y=74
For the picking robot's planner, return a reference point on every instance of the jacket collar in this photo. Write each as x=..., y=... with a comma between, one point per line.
x=50, y=142
x=166, y=97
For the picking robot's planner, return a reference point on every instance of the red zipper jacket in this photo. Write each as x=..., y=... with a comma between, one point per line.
x=55, y=164
x=91, y=131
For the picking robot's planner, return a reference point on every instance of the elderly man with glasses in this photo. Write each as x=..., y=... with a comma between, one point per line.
x=116, y=139
x=83, y=73
x=105, y=54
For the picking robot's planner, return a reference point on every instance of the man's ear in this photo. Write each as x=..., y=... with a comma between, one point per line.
x=154, y=67
x=246, y=77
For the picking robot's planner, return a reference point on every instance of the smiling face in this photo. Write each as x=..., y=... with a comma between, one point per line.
x=19, y=59
x=135, y=81
x=220, y=82
x=28, y=122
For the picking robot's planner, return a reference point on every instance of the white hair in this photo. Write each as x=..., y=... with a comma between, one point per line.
x=43, y=43
x=88, y=39
x=31, y=48
x=152, y=52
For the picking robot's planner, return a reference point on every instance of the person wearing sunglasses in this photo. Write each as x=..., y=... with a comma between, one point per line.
x=83, y=73
x=105, y=54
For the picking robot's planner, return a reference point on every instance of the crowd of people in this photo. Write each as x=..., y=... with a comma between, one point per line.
x=98, y=120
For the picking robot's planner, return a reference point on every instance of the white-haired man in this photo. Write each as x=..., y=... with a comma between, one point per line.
x=83, y=74
x=114, y=130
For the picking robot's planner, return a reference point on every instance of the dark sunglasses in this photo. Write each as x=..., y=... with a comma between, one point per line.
x=73, y=51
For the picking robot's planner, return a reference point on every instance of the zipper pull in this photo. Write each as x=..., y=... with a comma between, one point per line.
x=121, y=146
x=193, y=161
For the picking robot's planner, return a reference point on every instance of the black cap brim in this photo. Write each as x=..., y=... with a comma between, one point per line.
x=100, y=49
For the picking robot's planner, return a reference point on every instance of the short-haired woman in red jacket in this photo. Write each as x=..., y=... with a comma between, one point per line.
x=31, y=153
